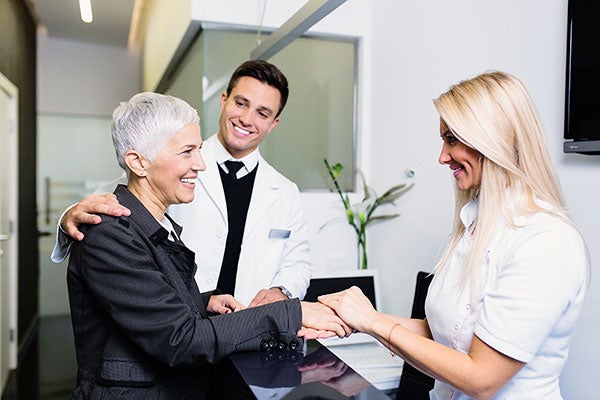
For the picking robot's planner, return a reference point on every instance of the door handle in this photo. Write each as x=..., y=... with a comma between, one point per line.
x=4, y=237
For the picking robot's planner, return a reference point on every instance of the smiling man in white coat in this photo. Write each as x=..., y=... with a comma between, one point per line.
x=246, y=223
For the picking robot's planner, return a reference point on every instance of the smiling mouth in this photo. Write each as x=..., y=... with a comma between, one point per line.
x=240, y=130
x=189, y=181
x=457, y=171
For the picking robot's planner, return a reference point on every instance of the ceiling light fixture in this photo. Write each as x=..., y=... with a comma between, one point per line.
x=137, y=26
x=85, y=7
x=311, y=13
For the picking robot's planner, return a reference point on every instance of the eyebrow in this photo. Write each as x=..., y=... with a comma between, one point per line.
x=190, y=146
x=260, y=108
x=266, y=109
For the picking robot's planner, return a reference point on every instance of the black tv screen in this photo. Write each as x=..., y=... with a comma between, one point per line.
x=582, y=100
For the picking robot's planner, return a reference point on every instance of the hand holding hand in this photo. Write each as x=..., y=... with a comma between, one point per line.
x=322, y=318
x=223, y=304
x=311, y=333
x=266, y=296
x=352, y=306
x=85, y=212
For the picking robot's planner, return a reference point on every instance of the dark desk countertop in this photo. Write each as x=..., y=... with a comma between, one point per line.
x=315, y=374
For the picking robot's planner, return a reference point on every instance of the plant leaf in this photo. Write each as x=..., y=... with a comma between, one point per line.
x=394, y=193
x=366, y=188
x=378, y=218
x=336, y=169
x=331, y=221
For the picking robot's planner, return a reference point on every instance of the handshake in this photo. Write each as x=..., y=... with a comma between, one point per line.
x=336, y=314
x=340, y=314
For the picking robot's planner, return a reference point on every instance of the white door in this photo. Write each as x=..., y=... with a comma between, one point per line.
x=8, y=227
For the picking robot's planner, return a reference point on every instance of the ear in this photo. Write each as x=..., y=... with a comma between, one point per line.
x=136, y=163
x=273, y=124
x=223, y=99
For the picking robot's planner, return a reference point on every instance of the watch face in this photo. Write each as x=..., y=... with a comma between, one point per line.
x=286, y=292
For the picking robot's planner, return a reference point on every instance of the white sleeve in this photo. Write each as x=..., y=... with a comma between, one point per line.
x=62, y=246
x=295, y=266
x=533, y=291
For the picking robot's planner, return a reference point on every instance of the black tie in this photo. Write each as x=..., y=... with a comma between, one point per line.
x=233, y=167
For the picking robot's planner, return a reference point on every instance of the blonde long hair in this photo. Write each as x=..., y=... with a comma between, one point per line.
x=493, y=114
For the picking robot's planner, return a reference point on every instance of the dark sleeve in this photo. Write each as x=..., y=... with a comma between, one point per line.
x=123, y=275
x=205, y=296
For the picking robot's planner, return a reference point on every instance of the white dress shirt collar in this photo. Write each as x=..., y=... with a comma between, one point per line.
x=250, y=160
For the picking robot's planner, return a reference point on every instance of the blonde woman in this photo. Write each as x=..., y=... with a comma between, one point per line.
x=508, y=290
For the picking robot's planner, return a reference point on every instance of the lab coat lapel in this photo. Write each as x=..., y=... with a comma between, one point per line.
x=211, y=179
x=264, y=195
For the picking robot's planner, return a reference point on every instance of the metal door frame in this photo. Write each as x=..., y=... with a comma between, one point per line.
x=12, y=91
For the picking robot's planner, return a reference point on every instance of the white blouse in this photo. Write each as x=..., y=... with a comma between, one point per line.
x=531, y=288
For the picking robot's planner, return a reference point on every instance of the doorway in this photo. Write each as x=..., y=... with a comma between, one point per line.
x=8, y=227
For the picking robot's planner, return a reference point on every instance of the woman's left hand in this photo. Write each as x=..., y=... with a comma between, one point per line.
x=223, y=304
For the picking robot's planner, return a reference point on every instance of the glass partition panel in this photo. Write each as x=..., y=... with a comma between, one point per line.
x=75, y=155
x=319, y=119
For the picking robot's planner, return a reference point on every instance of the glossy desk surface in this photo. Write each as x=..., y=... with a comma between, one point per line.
x=315, y=374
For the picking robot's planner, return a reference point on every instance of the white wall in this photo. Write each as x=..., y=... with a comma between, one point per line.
x=419, y=49
x=84, y=78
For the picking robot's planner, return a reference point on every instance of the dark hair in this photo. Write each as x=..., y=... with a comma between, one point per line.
x=264, y=72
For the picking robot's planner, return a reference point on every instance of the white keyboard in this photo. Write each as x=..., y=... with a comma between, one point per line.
x=367, y=355
x=369, y=358
x=355, y=338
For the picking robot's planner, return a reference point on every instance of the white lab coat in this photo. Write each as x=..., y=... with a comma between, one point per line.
x=268, y=258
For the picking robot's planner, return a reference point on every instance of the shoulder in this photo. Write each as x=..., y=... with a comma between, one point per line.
x=111, y=243
x=275, y=177
x=549, y=243
x=552, y=226
x=109, y=229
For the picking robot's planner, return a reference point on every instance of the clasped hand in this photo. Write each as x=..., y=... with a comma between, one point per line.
x=338, y=314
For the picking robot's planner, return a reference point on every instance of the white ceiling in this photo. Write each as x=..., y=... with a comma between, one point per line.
x=110, y=25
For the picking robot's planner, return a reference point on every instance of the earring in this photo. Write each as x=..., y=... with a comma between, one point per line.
x=142, y=173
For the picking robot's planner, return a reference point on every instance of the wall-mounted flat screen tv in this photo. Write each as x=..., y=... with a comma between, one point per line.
x=582, y=94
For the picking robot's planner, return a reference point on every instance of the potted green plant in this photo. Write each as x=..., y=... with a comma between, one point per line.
x=360, y=215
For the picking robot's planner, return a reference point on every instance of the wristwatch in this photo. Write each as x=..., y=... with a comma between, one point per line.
x=286, y=292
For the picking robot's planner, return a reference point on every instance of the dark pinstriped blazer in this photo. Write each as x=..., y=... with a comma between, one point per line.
x=139, y=319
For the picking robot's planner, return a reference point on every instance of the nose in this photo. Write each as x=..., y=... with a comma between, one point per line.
x=198, y=164
x=444, y=157
x=246, y=117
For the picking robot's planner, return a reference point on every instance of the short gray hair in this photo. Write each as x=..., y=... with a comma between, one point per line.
x=146, y=122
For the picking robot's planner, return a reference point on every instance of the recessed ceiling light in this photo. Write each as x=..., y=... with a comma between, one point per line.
x=85, y=7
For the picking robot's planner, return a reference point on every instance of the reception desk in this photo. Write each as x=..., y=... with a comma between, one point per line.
x=316, y=373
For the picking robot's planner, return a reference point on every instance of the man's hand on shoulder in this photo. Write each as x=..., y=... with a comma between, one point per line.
x=87, y=210
x=266, y=296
